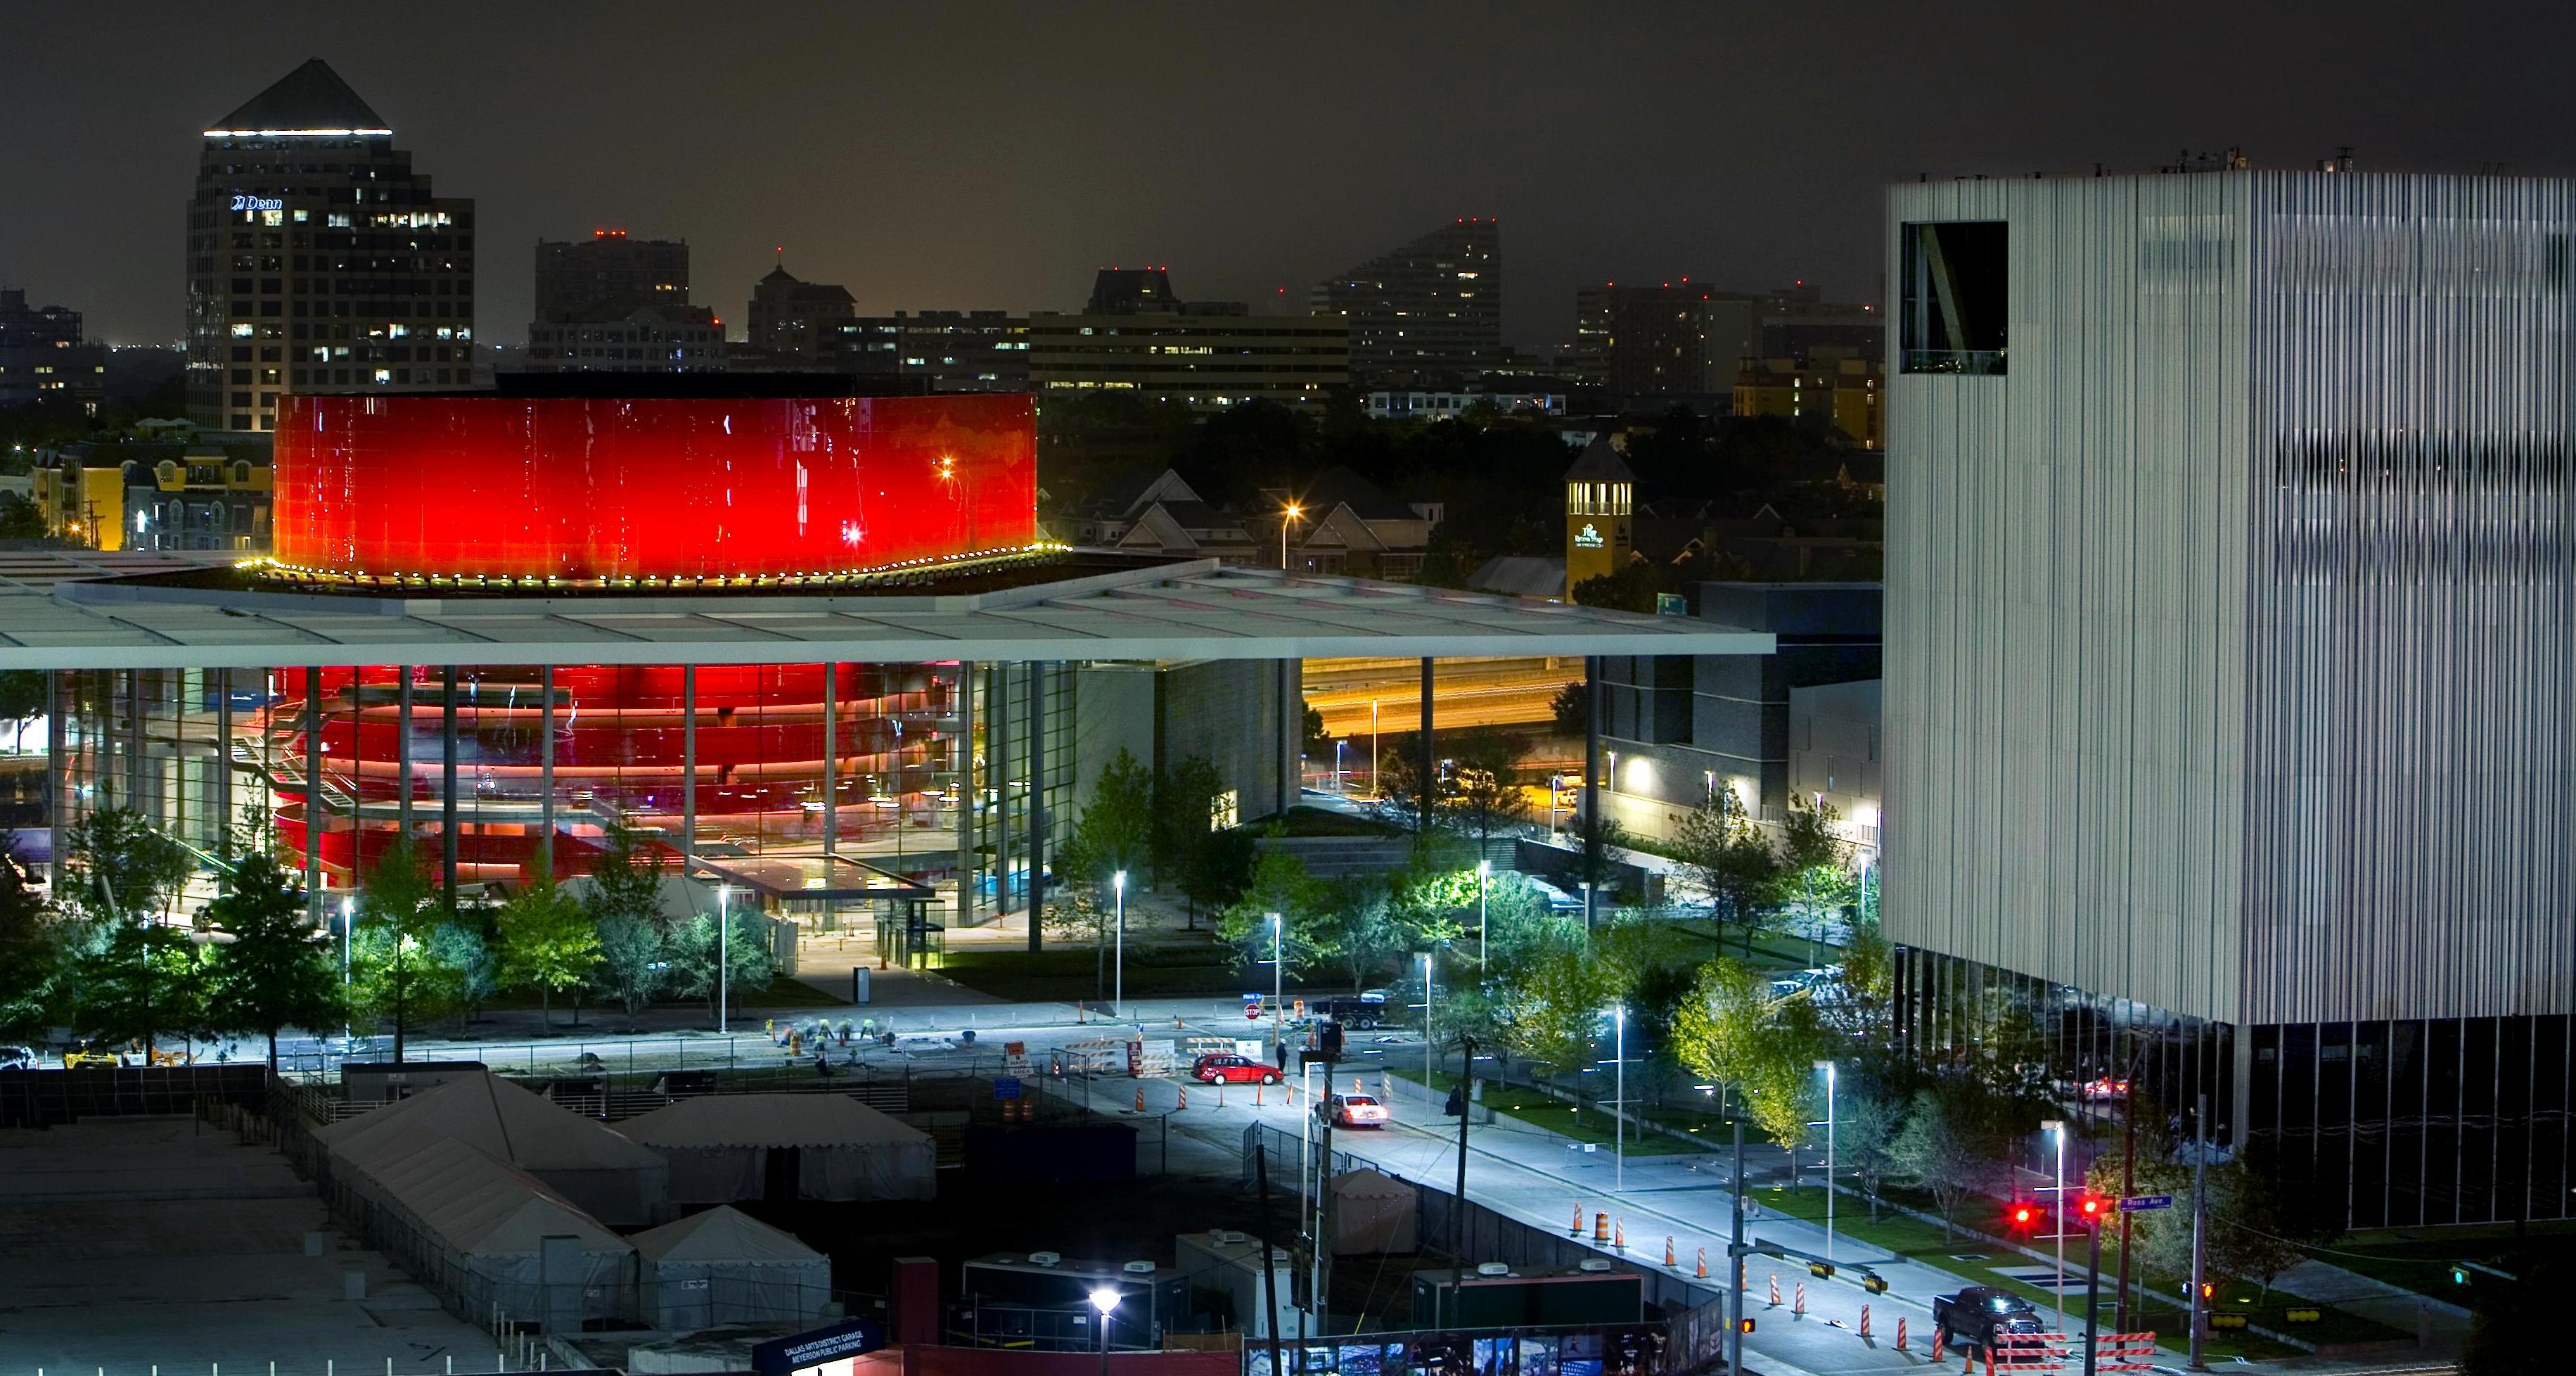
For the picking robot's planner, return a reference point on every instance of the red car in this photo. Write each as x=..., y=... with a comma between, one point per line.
x=1219, y=1068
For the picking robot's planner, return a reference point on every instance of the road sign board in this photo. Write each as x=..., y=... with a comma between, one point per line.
x=2138, y=1203
x=1006, y=1087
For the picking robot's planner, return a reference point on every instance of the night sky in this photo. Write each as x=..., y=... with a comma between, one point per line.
x=962, y=156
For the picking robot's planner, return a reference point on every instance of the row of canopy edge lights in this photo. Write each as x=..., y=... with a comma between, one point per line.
x=271, y=568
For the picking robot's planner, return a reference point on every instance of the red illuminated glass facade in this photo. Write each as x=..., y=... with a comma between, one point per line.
x=896, y=744
x=589, y=489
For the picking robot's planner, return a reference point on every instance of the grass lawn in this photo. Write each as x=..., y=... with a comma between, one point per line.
x=1529, y=1107
x=2420, y=1259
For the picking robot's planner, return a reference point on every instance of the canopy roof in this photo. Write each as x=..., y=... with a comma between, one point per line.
x=480, y=1205
x=722, y=1233
x=494, y=1116
x=54, y=615
x=767, y=1120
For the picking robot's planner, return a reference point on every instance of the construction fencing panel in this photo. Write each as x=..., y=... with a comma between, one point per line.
x=52, y=1098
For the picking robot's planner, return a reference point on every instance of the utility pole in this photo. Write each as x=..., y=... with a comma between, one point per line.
x=2128, y=1186
x=2199, y=1227
x=1269, y=1255
x=1735, y=1263
x=1466, y=1109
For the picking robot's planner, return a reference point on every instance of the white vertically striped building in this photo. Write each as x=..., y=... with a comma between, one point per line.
x=2231, y=654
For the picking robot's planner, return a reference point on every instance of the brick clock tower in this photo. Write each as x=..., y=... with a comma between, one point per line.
x=1600, y=495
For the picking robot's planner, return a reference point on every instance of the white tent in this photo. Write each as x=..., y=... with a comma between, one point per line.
x=1372, y=1212
x=723, y=1266
x=724, y=1147
x=608, y=1176
x=493, y=1235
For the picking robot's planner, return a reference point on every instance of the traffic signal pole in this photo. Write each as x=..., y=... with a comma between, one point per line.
x=1735, y=1264
x=2199, y=1229
x=2093, y=1296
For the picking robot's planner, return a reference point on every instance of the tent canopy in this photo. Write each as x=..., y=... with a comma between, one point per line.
x=490, y=1113
x=768, y=1120
x=723, y=1234
x=481, y=1206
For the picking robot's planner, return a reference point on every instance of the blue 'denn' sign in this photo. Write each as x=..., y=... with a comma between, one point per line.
x=815, y=1346
x=2140, y=1203
x=242, y=202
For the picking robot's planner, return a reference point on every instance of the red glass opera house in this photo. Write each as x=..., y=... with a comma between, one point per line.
x=601, y=496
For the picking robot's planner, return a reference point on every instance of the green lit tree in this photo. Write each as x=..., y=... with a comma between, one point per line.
x=124, y=868
x=1279, y=884
x=276, y=970
x=624, y=904
x=146, y=980
x=400, y=973
x=546, y=939
x=36, y=948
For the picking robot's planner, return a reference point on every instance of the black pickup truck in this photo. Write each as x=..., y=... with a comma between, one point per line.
x=1975, y=1316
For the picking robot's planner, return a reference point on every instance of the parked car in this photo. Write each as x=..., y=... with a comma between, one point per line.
x=1978, y=1314
x=1354, y=1111
x=1219, y=1068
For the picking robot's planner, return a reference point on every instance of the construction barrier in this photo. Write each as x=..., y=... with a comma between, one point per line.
x=1577, y=1229
x=1703, y=1263
x=1601, y=1226
x=1900, y=1332
x=1775, y=1289
x=2125, y=1352
x=1185, y=1097
x=2027, y=1352
x=1668, y=1253
x=1619, y=1236
x=1140, y=1098
x=1864, y=1323
x=1798, y=1310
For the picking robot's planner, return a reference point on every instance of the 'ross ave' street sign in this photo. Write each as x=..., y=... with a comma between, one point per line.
x=2138, y=1203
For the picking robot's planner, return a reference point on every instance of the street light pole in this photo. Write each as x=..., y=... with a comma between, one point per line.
x=1278, y=979
x=1118, y=998
x=1828, y=1068
x=2056, y=1128
x=1484, y=886
x=348, y=936
x=1426, y=1025
x=1619, y=1117
x=1105, y=1299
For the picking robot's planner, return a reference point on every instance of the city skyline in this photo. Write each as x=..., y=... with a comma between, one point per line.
x=943, y=160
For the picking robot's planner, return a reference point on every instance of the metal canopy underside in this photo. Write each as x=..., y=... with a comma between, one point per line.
x=55, y=614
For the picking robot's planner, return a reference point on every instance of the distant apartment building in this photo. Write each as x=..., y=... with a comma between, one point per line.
x=1451, y=405
x=1344, y=524
x=1207, y=355
x=795, y=323
x=319, y=260
x=42, y=355
x=151, y=495
x=1664, y=339
x=954, y=351
x=617, y=304
x=1831, y=387
x=1426, y=314
x=1797, y=322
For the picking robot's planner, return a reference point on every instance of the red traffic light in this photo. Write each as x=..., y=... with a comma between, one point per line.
x=2093, y=1206
x=2023, y=1217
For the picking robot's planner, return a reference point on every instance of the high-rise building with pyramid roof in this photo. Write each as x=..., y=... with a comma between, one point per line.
x=318, y=260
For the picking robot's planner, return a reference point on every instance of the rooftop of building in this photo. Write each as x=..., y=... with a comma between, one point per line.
x=309, y=99
x=85, y=609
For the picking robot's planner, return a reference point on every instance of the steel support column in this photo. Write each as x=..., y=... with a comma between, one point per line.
x=447, y=782
x=402, y=753
x=314, y=817
x=1430, y=789
x=546, y=764
x=688, y=768
x=1591, y=787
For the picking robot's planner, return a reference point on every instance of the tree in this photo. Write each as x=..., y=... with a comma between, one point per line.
x=1400, y=777
x=461, y=947
x=1942, y=1149
x=1279, y=884
x=1361, y=928
x=1116, y=829
x=399, y=976
x=35, y=953
x=1813, y=874
x=624, y=904
x=127, y=867
x=1724, y=855
x=278, y=970
x=1865, y=1130
x=1571, y=709
x=144, y=980
x=546, y=939
x=1732, y=1029
x=1186, y=839
x=22, y=691
x=1318, y=741
x=1557, y=1006
x=696, y=955
x=1486, y=795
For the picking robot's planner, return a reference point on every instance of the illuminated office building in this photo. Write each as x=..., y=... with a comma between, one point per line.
x=318, y=260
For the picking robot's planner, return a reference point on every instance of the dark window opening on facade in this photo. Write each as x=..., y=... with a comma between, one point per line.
x=1957, y=296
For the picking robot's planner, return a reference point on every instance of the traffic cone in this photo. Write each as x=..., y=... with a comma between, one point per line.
x=1619, y=1235
x=1775, y=1289
x=1292, y=1094
x=1185, y=1097
x=1140, y=1098
x=1176, y=1022
x=1900, y=1332
x=1940, y=1342
x=1577, y=1230
x=1864, y=1323
x=1256, y=1094
x=1798, y=1310
x=1668, y=1253
x=1601, y=1226
x=1703, y=1263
